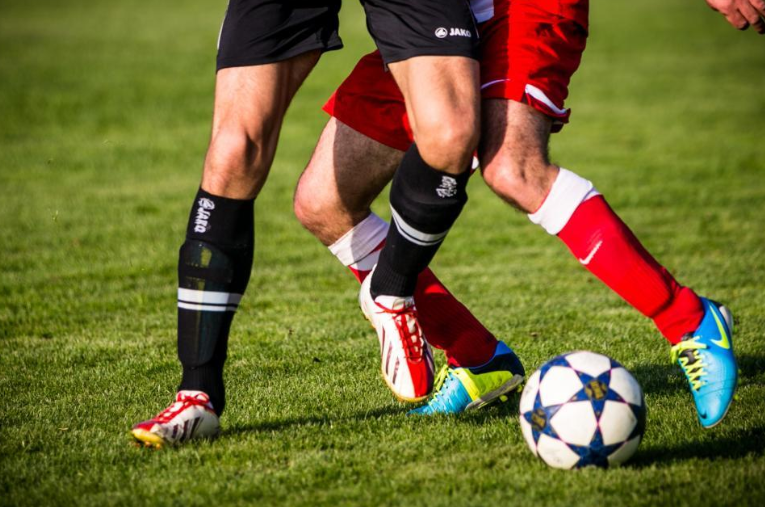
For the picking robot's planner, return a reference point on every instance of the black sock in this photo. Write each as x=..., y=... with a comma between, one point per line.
x=213, y=272
x=425, y=203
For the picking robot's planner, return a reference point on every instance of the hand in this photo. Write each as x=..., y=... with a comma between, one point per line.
x=742, y=13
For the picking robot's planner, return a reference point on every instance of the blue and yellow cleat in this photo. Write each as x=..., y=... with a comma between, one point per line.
x=469, y=388
x=707, y=360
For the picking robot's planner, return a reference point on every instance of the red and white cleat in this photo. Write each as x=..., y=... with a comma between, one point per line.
x=407, y=361
x=190, y=417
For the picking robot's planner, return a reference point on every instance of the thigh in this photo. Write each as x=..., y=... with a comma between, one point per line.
x=370, y=102
x=250, y=103
x=256, y=32
x=403, y=29
x=430, y=47
x=440, y=92
x=256, y=96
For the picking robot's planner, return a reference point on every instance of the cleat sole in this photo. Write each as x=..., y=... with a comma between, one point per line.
x=148, y=439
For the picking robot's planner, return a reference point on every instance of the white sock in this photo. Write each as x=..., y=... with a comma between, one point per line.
x=359, y=248
x=568, y=191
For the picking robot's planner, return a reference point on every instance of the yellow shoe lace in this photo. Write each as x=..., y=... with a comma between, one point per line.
x=441, y=378
x=691, y=363
x=443, y=373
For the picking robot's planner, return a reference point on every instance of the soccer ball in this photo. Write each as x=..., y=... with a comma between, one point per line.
x=581, y=409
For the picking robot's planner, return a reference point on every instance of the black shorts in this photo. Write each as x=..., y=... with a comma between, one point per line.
x=256, y=32
x=402, y=29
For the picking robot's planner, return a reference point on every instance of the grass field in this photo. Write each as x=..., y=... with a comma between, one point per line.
x=104, y=117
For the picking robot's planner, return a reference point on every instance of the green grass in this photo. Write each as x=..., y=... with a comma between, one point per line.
x=104, y=116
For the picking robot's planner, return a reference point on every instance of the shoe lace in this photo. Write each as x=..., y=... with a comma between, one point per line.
x=443, y=373
x=176, y=408
x=170, y=412
x=686, y=353
x=409, y=331
x=441, y=387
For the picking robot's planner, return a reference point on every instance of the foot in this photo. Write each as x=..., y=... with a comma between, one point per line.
x=469, y=388
x=190, y=417
x=706, y=357
x=407, y=362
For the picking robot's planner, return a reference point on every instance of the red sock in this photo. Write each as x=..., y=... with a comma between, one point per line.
x=609, y=250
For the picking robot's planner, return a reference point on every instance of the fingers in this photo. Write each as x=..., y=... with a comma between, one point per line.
x=752, y=11
x=737, y=20
x=759, y=5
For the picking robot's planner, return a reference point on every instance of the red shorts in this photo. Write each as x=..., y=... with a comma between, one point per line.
x=529, y=51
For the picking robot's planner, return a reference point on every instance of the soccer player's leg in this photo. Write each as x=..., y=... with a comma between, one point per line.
x=515, y=165
x=216, y=258
x=346, y=172
x=349, y=168
x=429, y=187
x=253, y=91
x=436, y=70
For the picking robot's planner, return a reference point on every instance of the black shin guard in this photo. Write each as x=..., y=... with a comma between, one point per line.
x=424, y=203
x=213, y=272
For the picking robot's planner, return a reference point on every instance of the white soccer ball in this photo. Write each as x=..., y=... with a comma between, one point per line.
x=582, y=409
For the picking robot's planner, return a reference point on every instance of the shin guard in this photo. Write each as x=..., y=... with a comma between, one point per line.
x=424, y=205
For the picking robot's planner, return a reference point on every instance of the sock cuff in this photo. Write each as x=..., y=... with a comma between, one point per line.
x=220, y=220
x=568, y=191
x=360, y=241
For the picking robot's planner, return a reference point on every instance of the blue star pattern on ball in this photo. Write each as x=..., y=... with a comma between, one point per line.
x=582, y=409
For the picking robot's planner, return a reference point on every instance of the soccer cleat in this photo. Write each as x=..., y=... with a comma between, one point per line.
x=190, y=417
x=407, y=361
x=708, y=363
x=469, y=388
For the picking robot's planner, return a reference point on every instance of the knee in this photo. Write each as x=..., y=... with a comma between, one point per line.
x=523, y=180
x=311, y=212
x=237, y=163
x=447, y=144
x=232, y=153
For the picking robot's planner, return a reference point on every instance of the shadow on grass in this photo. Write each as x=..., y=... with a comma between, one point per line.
x=737, y=445
x=282, y=424
x=479, y=417
x=664, y=378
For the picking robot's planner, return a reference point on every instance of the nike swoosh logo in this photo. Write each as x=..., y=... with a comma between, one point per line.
x=723, y=342
x=592, y=253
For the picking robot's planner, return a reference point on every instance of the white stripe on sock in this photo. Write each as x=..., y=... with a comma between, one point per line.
x=210, y=297
x=415, y=236
x=206, y=308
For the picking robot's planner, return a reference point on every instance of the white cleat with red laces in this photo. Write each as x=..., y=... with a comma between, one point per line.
x=407, y=361
x=190, y=417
